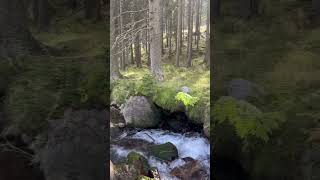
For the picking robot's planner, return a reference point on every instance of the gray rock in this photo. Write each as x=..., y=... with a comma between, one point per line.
x=76, y=146
x=242, y=89
x=185, y=89
x=140, y=113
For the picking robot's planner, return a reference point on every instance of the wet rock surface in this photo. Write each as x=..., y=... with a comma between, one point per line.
x=191, y=170
x=166, y=151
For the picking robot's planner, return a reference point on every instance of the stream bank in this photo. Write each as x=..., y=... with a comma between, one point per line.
x=168, y=144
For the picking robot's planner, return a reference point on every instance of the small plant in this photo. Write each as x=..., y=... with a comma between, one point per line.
x=187, y=99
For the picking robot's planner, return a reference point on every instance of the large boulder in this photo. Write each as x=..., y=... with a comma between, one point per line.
x=166, y=151
x=75, y=146
x=242, y=89
x=140, y=113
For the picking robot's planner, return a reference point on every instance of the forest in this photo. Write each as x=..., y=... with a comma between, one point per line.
x=265, y=100
x=53, y=79
x=160, y=89
x=182, y=89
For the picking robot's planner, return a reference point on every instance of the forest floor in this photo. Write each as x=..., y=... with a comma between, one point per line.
x=44, y=86
x=284, y=62
x=163, y=93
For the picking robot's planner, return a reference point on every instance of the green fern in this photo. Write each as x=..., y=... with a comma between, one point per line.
x=247, y=119
x=187, y=99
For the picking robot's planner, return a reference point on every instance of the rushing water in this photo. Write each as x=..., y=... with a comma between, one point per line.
x=189, y=145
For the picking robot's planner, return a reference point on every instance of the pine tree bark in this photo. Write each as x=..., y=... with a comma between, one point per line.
x=155, y=35
x=179, y=30
x=131, y=53
x=161, y=26
x=15, y=37
x=170, y=34
x=137, y=50
x=197, y=34
x=190, y=33
x=207, y=55
x=114, y=63
x=182, y=24
x=123, y=56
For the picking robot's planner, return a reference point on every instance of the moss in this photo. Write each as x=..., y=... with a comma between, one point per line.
x=167, y=151
x=138, y=161
x=138, y=81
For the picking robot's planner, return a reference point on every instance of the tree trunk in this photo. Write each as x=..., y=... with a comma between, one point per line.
x=72, y=4
x=35, y=10
x=161, y=26
x=190, y=29
x=114, y=63
x=123, y=56
x=155, y=35
x=148, y=43
x=179, y=33
x=167, y=31
x=316, y=11
x=131, y=52
x=137, y=50
x=92, y=9
x=15, y=37
x=170, y=34
x=207, y=55
x=216, y=9
x=182, y=24
x=44, y=19
x=197, y=34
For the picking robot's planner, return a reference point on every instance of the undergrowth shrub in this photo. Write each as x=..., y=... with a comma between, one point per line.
x=122, y=90
x=146, y=87
x=165, y=97
x=94, y=85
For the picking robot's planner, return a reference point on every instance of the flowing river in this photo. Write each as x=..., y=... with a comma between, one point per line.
x=191, y=144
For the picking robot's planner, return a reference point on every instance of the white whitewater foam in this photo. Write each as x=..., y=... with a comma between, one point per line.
x=193, y=146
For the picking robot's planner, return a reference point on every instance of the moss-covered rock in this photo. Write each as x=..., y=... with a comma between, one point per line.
x=166, y=151
x=138, y=162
